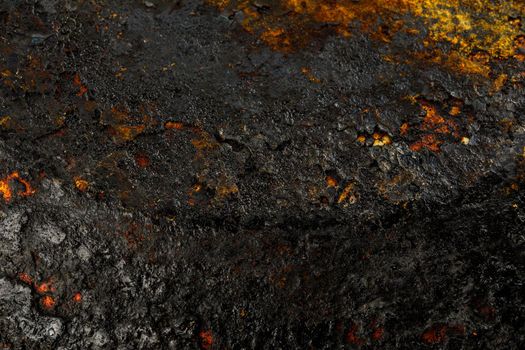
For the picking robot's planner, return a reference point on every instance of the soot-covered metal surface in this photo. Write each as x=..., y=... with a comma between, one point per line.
x=262, y=174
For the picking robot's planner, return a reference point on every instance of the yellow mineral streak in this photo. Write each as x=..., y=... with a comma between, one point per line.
x=467, y=26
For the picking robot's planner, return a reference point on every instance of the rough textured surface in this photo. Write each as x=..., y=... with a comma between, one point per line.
x=262, y=174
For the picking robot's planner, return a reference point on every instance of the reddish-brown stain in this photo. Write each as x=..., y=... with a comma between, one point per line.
x=142, y=160
x=24, y=277
x=435, y=334
x=206, y=339
x=82, y=88
x=377, y=334
x=352, y=337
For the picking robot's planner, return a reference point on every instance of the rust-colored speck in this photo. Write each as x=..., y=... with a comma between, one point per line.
x=77, y=298
x=435, y=334
x=142, y=160
x=206, y=338
x=331, y=182
x=174, y=125
x=24, y=277
x=44, y=287
x=47, y=302
x=352, y=337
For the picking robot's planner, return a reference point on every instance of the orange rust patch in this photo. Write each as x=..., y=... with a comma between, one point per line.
x=455, y=111
x=81, y=184
x=206, y=338
x=174, y=125
x=347, y=194
x=77, y=297
x=429, y=142
x=24, y=277
x=434, y=124
x=331, y=182
x=381, y=139
x=403, y=129
x=44, y=287
x=5, y=187
x=47, y=302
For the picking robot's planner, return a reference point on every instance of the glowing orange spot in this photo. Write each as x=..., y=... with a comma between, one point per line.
x=43, y=288
x=361, y=139
x=77, y=298
x=454, y=111
x=434, y=335
x=331, y=182
x=142, y=160
x=24, y=277
x=206, y=339
x=81, y=184
x=174, y=125
x=47, y=302
x=5, y=187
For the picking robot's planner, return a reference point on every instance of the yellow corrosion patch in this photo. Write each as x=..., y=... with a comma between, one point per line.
x=348, y=194
x=127, y=132
x=81, y=184
x=469, y=27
